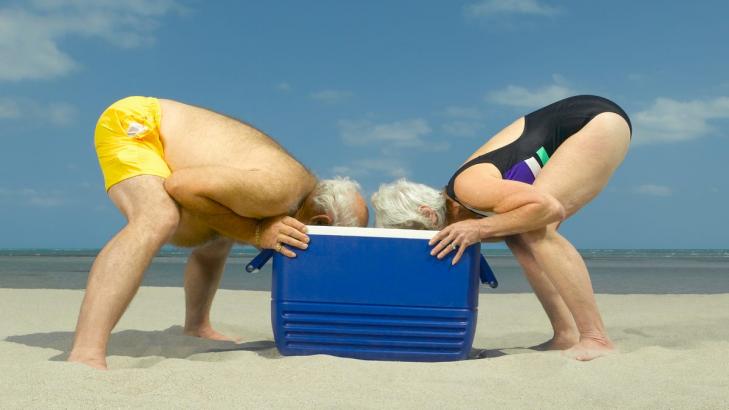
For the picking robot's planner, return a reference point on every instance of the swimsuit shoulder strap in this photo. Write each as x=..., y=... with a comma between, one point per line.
x=450, y=188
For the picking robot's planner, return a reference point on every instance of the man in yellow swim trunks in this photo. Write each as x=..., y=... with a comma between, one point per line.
x=195, y=178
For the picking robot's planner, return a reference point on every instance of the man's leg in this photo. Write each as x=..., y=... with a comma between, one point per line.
x=202, y=277
x=152, y=217
x=566, y=334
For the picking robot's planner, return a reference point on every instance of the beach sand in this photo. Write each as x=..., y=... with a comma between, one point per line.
x=674, y=354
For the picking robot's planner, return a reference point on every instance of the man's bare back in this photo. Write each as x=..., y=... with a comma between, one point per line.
x=242, y=169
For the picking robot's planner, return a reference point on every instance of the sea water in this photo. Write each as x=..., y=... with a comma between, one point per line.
x=614, y=271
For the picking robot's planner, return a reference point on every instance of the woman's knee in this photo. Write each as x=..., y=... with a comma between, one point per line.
x=518, y=248
x=533, y=238
x=514, y=243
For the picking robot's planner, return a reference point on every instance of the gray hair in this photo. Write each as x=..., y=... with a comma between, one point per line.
x=397, y=205
x=337, y=198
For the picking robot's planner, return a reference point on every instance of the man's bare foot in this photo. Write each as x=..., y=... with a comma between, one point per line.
x=92, y=360
x=588, y=349
x=207, y=332
x=556, y=343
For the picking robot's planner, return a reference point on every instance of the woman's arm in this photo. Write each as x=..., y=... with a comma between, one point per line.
x=519, y=208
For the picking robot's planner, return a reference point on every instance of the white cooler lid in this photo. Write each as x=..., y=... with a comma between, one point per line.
x=370, y=232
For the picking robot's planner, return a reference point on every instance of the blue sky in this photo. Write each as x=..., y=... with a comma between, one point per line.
x=375, y=90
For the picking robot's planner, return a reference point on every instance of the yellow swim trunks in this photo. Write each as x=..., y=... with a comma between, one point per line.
x=127, y=140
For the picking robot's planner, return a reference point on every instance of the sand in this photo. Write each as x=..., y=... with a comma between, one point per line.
x=674, y=354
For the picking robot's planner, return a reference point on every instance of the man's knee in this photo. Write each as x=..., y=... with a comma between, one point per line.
x=215, y=249
x=159, y=223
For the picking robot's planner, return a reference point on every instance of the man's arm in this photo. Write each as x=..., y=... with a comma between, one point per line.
x=251, y=193
x=217, y=216
x=236, y=207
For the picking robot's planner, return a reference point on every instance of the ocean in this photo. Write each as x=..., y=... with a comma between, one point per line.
x=614, y=271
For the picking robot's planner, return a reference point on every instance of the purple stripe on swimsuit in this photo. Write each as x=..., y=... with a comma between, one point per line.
x=520, y=172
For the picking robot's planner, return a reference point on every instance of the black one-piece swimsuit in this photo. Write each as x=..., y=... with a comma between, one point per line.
x=544, y=131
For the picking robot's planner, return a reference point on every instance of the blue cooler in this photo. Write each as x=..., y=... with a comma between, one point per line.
x=372, y=293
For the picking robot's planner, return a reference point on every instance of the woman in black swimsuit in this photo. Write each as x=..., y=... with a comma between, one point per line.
x=519, y=187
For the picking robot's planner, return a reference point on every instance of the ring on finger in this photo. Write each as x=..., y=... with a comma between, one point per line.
x=454, y=246
x=278, y=246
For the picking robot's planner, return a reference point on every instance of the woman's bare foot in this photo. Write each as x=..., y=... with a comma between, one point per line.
x=91, y=358
x=557, y=343
x=207, y=332
x=588, y=349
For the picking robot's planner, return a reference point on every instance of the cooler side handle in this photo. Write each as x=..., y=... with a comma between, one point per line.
x=487, y=274
x=260, y=260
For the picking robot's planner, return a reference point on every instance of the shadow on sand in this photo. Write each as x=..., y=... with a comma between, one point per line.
x=170, y=343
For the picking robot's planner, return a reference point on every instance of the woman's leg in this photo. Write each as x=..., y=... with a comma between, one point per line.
x=567, y=271
x=577, y=172
x=583, y=165
x=566, y=334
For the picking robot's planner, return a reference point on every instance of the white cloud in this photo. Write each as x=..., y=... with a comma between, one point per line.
x=669, y=120
x=331, y=96
x=407, y=133
x=56, y=113
x=30, y=31
x=463, y=121
x=495, y=7
x=392, y=140
x=390, y=136
x=460, y=128
x=9, y=109
x=653, y=190
x=61, y=114
x=363, y=167
x=469, y=113
x=32, y=197
x=283, y=87
x=636, y=77
x=516, y=96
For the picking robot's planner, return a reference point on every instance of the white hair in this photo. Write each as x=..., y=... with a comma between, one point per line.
x=337, y=197
x=397, y=205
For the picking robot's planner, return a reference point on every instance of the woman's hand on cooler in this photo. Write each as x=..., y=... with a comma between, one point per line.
x=457, y=237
